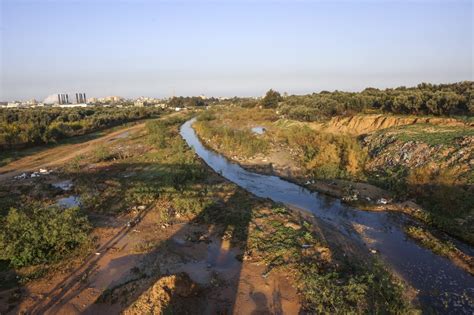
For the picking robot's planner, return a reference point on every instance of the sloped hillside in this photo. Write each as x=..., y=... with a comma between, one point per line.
x=433, y=164
x=363, y=124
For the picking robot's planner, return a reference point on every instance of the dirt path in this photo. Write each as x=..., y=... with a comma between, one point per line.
x=60, y=154
x=119, y=275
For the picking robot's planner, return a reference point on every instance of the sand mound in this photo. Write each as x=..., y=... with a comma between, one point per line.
x=173, y=293
x=362, y=124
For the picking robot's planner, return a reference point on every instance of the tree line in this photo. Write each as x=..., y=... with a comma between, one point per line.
x=28, y=127
x=424, y=99
x=187, y=101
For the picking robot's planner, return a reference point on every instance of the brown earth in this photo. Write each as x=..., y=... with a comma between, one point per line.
x=146, y=268
x=140, y=265
x=363, y=124
x=58, y=155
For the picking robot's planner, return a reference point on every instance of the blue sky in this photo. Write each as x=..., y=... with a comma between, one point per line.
x=227, y=48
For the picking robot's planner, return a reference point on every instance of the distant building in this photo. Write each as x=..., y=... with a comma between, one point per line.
x=110, y=99
x=13, y=104
x=148, y=101
x=139, y=103
x=63, y=100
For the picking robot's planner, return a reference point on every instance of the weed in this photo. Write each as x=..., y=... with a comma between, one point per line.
x=41, y=234
x=232, y=141
x=443, y=248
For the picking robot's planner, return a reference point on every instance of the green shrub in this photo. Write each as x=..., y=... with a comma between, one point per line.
x=362, y=292
x=25, y=128
x=41, y=235
x=206, y=116
x=232, y=141
x=325, y=155
x=102, y=153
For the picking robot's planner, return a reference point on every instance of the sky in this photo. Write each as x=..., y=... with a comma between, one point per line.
x=229, y=48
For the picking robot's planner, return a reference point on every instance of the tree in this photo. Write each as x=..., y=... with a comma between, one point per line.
x=271, y=99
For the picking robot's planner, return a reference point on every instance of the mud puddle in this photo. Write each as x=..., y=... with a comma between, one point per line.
x=442, y=286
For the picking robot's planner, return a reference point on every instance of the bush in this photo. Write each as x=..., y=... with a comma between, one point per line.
x=326, y=155
x=206, y=116
x=372, y=291
x=157, y=133
x=21, y=128
x=424, y=99
x=271, y=99
x=102, y=153
x=41, y=235
x=232, y=141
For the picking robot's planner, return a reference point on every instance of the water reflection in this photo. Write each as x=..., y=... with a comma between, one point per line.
x=442, y=285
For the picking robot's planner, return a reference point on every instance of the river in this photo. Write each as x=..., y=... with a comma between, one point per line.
x=443, y=287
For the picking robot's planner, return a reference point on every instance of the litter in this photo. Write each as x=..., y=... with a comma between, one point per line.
x=22, y=176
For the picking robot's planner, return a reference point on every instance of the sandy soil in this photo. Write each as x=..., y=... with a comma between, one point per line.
x=363, y=124
x=124, y=275
x=59, y=155
x=140, y=265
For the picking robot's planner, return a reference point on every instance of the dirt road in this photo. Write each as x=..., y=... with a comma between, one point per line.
x=60, y=154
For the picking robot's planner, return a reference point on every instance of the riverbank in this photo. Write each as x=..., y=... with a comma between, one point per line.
x=169, y=234
x=280, y=159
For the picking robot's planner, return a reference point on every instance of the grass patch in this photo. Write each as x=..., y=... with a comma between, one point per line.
x=430, y=133
x=324, y=155
x=232, y=141
x=427, y=239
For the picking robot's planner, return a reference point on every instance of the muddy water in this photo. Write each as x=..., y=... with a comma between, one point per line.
x=443, y=287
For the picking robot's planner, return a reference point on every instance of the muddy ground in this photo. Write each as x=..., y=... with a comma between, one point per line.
x=282, y=161
x=170, y=235
x=141, y=262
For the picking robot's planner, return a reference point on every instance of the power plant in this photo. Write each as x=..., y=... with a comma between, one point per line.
x=63, y=98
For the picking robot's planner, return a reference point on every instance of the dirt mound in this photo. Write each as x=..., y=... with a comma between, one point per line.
x=362, y=124
x=173, y=293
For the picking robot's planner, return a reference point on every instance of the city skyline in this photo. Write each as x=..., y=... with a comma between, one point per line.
x=230, y=48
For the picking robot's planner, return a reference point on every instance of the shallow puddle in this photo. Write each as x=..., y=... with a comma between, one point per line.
x=219, y=259
x=443, y=287
x=64, y=185
x=258, y=130
x=69, y=202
